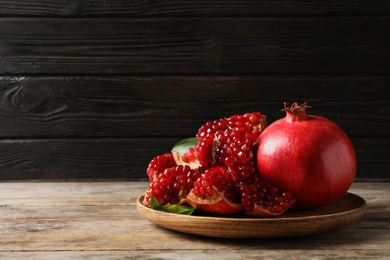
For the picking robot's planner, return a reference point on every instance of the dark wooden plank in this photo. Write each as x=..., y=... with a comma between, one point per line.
x=57, y=107
x=67, y=159
x=204, y=8
x=260, y=46
x=127, y=159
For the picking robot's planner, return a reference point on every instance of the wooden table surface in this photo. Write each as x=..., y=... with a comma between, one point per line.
x=99, y=220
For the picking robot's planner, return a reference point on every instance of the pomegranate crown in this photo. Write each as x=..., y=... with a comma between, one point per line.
x=295, y=108
x=295, y=111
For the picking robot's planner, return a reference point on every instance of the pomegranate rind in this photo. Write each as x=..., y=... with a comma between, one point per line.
x=262, y=212
x=195, y=152
x=218, y=204
x=181, y=148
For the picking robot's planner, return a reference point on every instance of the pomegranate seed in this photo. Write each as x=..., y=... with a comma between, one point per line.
x=259, y=193
x=158, y=164
x=174, y=181
x=216, y=177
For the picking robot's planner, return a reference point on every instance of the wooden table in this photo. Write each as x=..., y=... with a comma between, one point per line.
x=54, y=220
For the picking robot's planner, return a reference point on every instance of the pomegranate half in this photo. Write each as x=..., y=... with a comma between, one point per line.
x=307, y=155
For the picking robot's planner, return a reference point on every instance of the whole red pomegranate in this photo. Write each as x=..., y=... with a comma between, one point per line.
x=307, y=155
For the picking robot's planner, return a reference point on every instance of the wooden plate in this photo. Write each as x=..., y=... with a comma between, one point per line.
x=347, y=210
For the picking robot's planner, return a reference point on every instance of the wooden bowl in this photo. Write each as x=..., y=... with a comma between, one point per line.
x=347, y=210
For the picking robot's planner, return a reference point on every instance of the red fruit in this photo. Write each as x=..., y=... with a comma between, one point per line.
x=172, y=186
x=261, y=198
x=234, y=150
x=308, y=155
x=198, y=153
x=212, y=127
x=215, y=192
x=254, y=122
x=205, y=150
x=158, y=164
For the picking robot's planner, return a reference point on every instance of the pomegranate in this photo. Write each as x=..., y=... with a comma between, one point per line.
x=198, y=153
x=215, y=192
x=234, y=150
x=215, y=171
x=254, y=123
x=307, y=155
x=261, y=198
x=172, y=185
x=158, y=164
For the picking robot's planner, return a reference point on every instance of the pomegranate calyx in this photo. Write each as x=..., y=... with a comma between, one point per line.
x=295, y=112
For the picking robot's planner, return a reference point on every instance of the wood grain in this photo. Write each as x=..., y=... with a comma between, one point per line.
x=176, y=106
x=93, y=89
x=202, y=8
x=261, y=46
x=111, y=127
x=66, y=222
x=208, y=254
x=127, y=158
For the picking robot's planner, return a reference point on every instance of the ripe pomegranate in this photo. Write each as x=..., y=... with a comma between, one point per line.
x=234, y=150
x=198, y=153
x=261, y=198
x=215, y=192
x=307, y=155
x=254, y=123
x=172, y=185
x=158, y=164
x=227, y=141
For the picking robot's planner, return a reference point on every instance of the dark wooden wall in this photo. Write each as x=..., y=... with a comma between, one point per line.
x=94, y=89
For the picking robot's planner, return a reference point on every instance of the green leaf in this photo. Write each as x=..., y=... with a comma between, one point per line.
x=180, y=209
x=155, y=205
x=177, y=209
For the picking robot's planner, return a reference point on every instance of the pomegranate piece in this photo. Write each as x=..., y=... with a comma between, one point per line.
x=234, y=150
x=212, y=127
x=205, y=150
x=254, y=122
x=172, y=186
x=215, y=192
x=261, y=198
x=198, y=153
x=158, y=164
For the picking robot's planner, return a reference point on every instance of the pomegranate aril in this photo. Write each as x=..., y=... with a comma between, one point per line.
x=234, y=151
x=261, y=198
x=204, y=150
x=287, y=195
x=189, y=156
x=158, y=164
x=218, y=178
x=215, y=192
x=172, y=185
x=254, y=123
x=212, y=127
